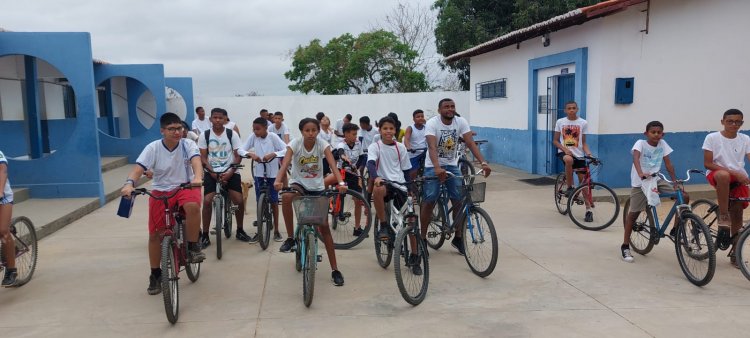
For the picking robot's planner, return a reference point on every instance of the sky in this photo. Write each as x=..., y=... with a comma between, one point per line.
x=228, y=47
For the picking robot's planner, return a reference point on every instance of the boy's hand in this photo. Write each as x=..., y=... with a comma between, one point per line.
x=486, y=169
x=127, y=190
x=342, y=188
x=378, y=181
x=441, y=174
x=254, y=157
x=148, y=173
x=269, y=157
x=196, y=182
x=277, y=185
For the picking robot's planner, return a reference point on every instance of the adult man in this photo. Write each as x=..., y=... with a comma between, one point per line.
x=201, y=123
x=339, y=131
x=443, y=133
x=268, y=117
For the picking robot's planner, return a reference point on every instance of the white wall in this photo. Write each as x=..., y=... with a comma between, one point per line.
x=243, y=110
x=11, y=93
x=146, y=109
x=175, y=103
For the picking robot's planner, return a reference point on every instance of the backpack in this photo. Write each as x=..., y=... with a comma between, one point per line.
x=207, y=134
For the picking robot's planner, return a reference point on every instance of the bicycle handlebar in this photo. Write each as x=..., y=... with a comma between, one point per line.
x=688, y=172
x=414, y=150
x=231, y=166
x=144, y=191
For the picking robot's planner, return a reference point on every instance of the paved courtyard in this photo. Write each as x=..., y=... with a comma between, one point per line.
x=552, y=279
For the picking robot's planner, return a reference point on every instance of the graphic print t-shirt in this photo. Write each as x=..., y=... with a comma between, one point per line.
x=571, y=134
x=307, y=166
x=447, y=139
x=220, y=154
x=352, y=152
x=651, y=159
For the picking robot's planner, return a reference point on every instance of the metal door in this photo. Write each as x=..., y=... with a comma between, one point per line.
x=560, y=89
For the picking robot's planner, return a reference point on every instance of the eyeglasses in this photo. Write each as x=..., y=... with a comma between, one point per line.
x=734, y=122
x=174, y=129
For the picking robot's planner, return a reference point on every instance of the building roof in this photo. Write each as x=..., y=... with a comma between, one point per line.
x=574, y=17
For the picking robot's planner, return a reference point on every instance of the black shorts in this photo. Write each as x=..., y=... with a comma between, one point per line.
x=577, y=164
x=352, y=182
x=397, y=195
x=209, y=183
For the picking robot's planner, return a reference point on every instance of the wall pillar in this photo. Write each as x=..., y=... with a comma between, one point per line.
x=33, y=116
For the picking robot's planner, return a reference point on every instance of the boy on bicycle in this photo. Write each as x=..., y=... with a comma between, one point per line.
x=218, y=147
x=724, y=155
x=279, y=127
x=6, y=212
x=349, y=151
x=414, y=138
x=174, y=161
x=267, y=147
x=306, y=155
x=442, y=133
x=648, y=156
x=570, y=140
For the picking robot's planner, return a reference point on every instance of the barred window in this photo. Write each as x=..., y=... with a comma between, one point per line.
x=491, y=89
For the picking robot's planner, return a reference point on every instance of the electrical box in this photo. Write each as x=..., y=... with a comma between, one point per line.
x=624, y=90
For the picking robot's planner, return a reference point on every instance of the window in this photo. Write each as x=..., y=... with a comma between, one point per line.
x=491, y=89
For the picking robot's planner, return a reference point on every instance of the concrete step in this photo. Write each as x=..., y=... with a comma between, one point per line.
x=115, y=178
x=20, y=195
x=109, y=163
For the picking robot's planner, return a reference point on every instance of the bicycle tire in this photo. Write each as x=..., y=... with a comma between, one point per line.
x=688, y=240
x=25, y=240
x=603, y=197
x=435, y=233
x=742, y=252
x=298, y=256
x=642, y=238
x=343, y=231
x=170, y=288
x=561, y=201
x=413, y=288
x=227, y=226
x=475, y=238
x=467, y=170
x=308, y=273
x=264, y=220
x=383, y=249
x=218, y=207
x=708, y=211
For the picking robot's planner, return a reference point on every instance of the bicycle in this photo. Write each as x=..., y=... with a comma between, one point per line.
x=600, y=205
x=708, y=211
x=464, y=165
x=24, y=236
x=223, y=210
x=474, y=220
x=691, y=237
x=174, y=252
x=342, y=227
x=264, y=211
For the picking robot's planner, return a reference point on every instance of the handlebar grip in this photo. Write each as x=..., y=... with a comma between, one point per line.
x=697, y=171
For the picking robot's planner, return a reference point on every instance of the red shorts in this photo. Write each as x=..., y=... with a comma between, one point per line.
x=156, y=219
x=739, y=190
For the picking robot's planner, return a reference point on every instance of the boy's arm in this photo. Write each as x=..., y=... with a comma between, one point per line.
x=708, y=162
x=670, y=169
x=637, y=164
x=286, y=138
x=469, y=140
x=558, y=145
x=129, y=186
x=197, y=165
x=237, y=130
x=332, y=164
x=3, y=177
x=585, y=147
x=407, y=136
x=284, y=166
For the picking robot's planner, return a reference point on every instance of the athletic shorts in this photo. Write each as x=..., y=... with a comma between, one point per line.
x=431, y=188
x=416, y=161
x=6, y=199
x=577, y=164
x=638, y=201
x=352, y=183
x=737, y=189
x=209, y=184
x=156, y=219
x=258, y=184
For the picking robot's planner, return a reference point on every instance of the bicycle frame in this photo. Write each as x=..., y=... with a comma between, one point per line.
x=678, y=206
x=465, y=205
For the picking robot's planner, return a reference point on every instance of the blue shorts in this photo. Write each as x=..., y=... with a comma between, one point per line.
x=431, y=188
x=274, y=194
x=6, y=199
x=416, y=161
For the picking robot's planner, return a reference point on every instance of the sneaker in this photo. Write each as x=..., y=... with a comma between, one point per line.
x=569, y=192
x=357, y=232
x=277, y=237
x=589, y=216
x=288, y=245
x=626, y=256
x=415, y=268
x=459, y=245
x=153, y=285
x=254, y=239
x=383, y=233
x=242, y=236
x=195, y=255
x=10, y=278
x=338, y=278
x=205, y=241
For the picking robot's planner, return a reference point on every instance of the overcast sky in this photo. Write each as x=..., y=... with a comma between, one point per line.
x=228, y=47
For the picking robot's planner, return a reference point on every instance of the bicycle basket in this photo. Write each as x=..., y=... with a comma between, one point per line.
x=476, y=191
x=311, y=209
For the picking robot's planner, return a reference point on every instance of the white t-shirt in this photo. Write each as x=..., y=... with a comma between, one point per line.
x=368, y=136
x=391, y=160
x=7, y=196
x=417, y=140
x=192, y=136
x=447, y=139
x=220, y=153
x=307, y=166
x=264, y=146
x=201, y=125
x=651, y=159
x=352, y=153
x=326, y=136
x=571, y=134
x=230, y=125
x=728, y=152
x=284, y=130
x=171, y=167
x=340, y=126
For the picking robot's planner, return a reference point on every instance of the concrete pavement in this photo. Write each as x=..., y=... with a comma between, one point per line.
x=552, y=279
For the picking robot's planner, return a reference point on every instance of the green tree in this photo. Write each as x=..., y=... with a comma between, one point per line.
x=373, y=62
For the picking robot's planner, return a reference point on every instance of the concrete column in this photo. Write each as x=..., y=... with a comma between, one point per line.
x=112, y=126
x=33, y=116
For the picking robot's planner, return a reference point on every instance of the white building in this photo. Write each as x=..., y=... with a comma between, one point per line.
x=685, y=62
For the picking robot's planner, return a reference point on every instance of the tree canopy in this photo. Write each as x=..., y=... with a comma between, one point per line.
x=372, y=62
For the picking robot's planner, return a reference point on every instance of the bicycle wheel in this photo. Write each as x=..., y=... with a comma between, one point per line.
x=383, y=249
x=218, y=207
x=467, y=169
x=298, y=256
x=169, y=282
x=480, y=242
x=603, y=203
x=742, y=252
x=413, y=287
x=264, y=219
x=642, y=238
x=695, y=250
x=308, y=272
x=435, y=233
x=343, y=222
x=227, y=226
x=561, y=201
x=25, y=239
x=708, y=211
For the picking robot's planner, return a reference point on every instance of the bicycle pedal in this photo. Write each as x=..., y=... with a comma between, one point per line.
x=320, y=258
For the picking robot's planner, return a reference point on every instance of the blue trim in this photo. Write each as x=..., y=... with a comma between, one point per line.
x=196, y=155
x=142, y=166
x=579, y=57
x=167, y=148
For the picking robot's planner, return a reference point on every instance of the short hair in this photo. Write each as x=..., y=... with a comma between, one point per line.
x=732, y=111
x=387, y=119
x=364, y=119
x=185, y=125
x=349, y=127
x=198, y=108
x=169, y=118
x=418, y=111
x=278, y=113
x=440, y=104
x=348, y=117
x=307, y=120
x=219, y=110
x=319, y=116
x=261, y=121
x=264, y=110
x=653, y=124
x=571, y=102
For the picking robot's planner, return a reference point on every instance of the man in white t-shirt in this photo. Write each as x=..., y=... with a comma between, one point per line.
x=218, y=147
x=201, y=123
x=442, y=133
x=339, y=131
x=367, y=132
x=266, y=116
x=724, y=154
x=174, y=161
x=570, y=141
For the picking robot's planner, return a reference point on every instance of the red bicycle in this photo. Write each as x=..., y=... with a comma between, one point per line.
x=592, y=205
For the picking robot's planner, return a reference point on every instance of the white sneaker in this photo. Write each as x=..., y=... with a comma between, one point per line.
x=626, y=256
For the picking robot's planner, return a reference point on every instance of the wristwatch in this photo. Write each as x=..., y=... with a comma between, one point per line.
x=342, y=183
x=484, y=163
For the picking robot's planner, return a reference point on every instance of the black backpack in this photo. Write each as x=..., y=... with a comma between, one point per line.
x=207, y=134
